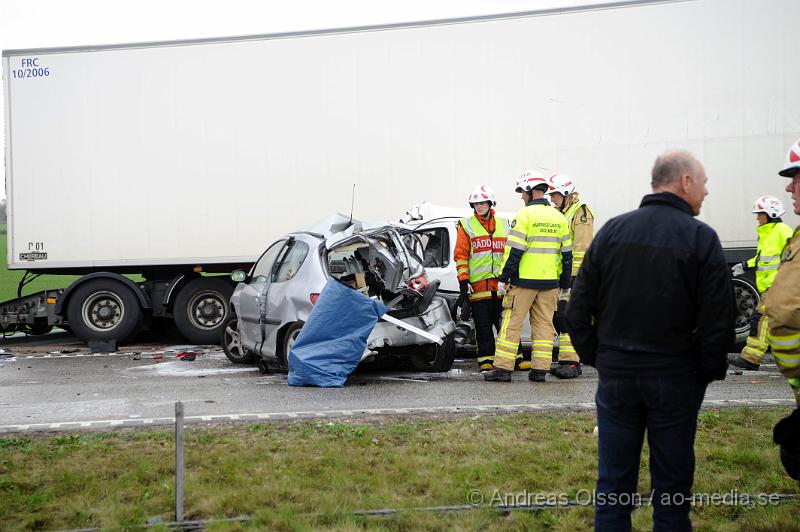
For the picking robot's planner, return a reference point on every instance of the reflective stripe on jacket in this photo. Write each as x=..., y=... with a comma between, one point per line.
x=538, y=241
x=782, y=308
x=486, y=255
x=772, y=238
x=581, y=229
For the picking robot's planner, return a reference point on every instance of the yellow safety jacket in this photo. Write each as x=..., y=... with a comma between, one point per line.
x=486, y=255
x=580, y=219
x=782, y=309
x=772, y=238
x=541, y=233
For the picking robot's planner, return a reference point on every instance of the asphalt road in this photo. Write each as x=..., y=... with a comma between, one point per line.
x=54, y=383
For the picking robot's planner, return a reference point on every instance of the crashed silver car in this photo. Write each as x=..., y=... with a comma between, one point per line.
x=272, y=302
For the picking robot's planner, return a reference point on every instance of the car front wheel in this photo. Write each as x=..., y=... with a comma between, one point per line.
x=232, y=343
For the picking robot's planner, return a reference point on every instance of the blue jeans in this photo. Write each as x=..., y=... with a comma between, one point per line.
x=667, y=408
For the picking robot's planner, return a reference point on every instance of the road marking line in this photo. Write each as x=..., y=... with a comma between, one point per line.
x=349, y=413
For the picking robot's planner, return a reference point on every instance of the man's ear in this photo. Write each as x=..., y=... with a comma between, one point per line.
x=686, y=182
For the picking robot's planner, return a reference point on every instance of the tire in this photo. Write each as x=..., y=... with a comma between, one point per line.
x=232, y=345
x=747, y=301
x=434, y=357
x=104, y=310
x=287, y=340
x=201, y=309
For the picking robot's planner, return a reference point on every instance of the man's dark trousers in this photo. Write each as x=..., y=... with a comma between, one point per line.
x=486, y=313
x=667, y=408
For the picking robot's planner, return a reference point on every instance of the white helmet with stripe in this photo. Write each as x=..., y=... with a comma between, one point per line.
x=480, y=194
x=529, y=180
x=792, y=165
x=561, y=183
x=769, y=205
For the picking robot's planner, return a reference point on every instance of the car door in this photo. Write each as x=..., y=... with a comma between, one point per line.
x=287, y=299
x=252, y=299
x=437, y=255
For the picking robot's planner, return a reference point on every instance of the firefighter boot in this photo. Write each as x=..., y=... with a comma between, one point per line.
x=536, y=376
x=566, y=370
x=521, y=364
x=485, y=364
x=499, y=375
x=740, y=362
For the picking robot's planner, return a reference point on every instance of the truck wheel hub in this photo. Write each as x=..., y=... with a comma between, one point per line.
x=206, y=311
x=102, y=311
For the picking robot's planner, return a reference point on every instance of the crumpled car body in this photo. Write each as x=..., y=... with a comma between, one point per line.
x=430, y=231
x=278, y=294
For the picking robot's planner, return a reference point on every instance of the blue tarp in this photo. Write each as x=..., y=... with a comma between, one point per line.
x=330, y=344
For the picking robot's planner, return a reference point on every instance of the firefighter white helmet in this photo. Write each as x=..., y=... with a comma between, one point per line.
x=480, y=194
x=769, y=205
x=561, y=183
x=792, y=165
x=530, y=179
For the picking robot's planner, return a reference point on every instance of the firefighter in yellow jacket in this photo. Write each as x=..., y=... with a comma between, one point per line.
x=782, y=305
x=479, y=255
x=580, y=220
x=538, y=263
x=773, y=235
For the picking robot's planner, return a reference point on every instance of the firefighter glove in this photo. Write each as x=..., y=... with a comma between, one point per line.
x=463, y=287
x=466, y=311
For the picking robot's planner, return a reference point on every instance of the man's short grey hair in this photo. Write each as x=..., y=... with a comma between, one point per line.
x=671, y=165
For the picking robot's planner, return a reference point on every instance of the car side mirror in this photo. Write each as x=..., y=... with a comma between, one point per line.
x=238, y=276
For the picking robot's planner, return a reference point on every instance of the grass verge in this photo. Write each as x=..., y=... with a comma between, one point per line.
x=315, y=474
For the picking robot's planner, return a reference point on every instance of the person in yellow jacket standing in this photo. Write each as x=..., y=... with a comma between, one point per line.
x=773, y=235
x=580, y=219
x=479, y=256
x=782, y=305
x=782, y=310
x=538, y=262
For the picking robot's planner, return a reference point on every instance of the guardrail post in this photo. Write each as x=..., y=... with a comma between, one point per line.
x=178, y=462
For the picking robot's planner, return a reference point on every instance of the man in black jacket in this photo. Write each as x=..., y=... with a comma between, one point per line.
x=653, y=310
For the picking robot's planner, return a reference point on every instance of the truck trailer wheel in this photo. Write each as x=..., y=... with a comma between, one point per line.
x=201, y=309
x=747, y=301
x=103, y=310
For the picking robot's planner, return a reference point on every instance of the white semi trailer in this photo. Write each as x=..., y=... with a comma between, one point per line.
x=174, y=159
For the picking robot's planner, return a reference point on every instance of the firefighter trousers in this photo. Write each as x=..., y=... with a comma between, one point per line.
x=518, y=303
x=757, y=343
x=486, y=313
x=566, y=351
